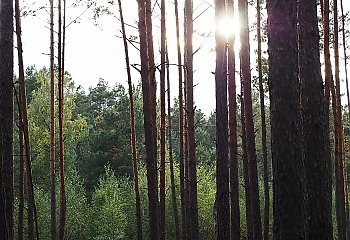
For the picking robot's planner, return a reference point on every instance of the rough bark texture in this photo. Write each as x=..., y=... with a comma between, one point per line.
x=233, y=149
x=132, y=128
x=6, y=116
x=181, y=122
x=192, y=171
x=313, y=118
x=263, y=130
x=248, y=118
x=327, y=90
x=222, y=179
x=149, y=139
x=286, y=128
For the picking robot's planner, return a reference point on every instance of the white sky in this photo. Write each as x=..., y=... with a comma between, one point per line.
x=94, y=52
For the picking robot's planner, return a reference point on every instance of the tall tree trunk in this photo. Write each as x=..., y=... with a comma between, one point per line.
x=132, y=128
x=149, y=139
x=233, y=161
x=181, y=122
x=313, y=119
x=171, y=161
x=222, y=179
x=6, y=115
x=289, y=219
x=338, y=126
x=53, y=232
x=162, y=121
x=263, y=129
x=328, y=80
x=248, y=116
x=192, y=171
x=61, y=119
x=348, y=98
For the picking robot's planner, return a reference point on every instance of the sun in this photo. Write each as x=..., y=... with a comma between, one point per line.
x=228, y=27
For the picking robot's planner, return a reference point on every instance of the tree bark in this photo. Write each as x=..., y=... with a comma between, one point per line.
x=6, y=116
x=192, y=171
x=132, y=128
x=222, y=178
x=248, y=117
x=313, y=119
x=263, y=129
x=328, y=80
x=233, y=149
x=149, y=139
x=286, y=126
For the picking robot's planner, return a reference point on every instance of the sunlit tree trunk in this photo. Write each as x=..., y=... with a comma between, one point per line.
x=263, y=129
x=327, y=90
x=233, y=150
x=222, y=179
x=149, y=139
x=192, y=171
x=248, y=118
x=132, y=128
x=6, y=117
x=286, y=126
x=162, y=121
x=313, y=119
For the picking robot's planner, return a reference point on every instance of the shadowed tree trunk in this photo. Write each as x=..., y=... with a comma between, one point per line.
x=263, y=129
x=192, y=171
x=222, y=179
x=328, y=80
x=132, y=128
x=289, y=219
x=6, y=117
x=248, y=118
x=181, y=122
x=233, y=161
x=53, y=231
x=171, y=161
x=313, y=119
x=149, y=139
x=162, y=122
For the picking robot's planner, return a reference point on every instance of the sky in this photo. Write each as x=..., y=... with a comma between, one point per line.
x=94, y=49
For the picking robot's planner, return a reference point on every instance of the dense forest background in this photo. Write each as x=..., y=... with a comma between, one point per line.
x=137, y=159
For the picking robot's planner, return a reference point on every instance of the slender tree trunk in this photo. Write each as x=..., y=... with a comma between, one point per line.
x=338, y=135
x=53, y=231
x=222, y=178
x=286, y=128
x=313, y=118
x=61, y=120
x=181, y=122
x=162, y=121
x=348, y=98
x=263, y=129
x=149, y=139
x=233, y=162
x=248, y=208
x=6, y=114
x=132, y=127
x=328, y=79
x=248, y=116
x=171, y=161
x=192, y=171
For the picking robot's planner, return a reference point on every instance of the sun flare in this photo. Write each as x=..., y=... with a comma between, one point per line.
x=228, y=27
